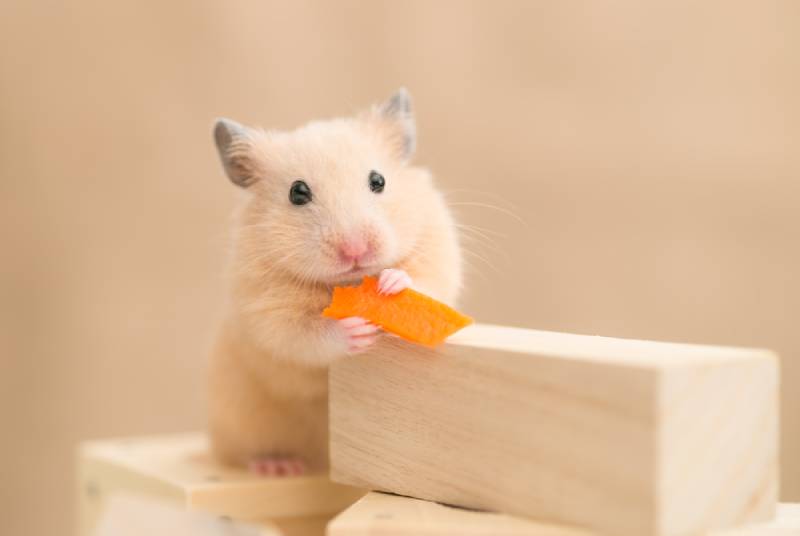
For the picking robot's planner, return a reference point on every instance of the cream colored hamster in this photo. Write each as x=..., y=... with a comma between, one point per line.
x=327, y=204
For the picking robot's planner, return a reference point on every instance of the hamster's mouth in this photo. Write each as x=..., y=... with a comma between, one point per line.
x=357, y=268
x=355, y=272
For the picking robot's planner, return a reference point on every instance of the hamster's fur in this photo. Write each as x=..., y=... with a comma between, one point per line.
x=269, y=372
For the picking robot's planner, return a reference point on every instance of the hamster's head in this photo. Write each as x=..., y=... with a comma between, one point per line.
x=333, y=200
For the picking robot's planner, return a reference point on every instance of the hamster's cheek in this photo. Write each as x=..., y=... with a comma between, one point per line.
x=407, y=216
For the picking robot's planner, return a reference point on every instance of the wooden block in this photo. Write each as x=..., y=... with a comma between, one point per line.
x=178, y=470
x=786, y=523
x=136, y=515
x=379, y=514
x=625, y=437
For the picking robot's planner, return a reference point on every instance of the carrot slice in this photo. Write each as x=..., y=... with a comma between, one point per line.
x=409, y=314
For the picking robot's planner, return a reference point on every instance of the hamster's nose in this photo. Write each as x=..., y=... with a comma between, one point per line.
x=354, y=250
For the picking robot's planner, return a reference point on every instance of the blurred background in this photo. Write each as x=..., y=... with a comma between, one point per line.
x=627, y=169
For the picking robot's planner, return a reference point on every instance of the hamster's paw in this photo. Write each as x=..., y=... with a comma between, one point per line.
x=392, y=281
x=277, y=466
x=359, y=333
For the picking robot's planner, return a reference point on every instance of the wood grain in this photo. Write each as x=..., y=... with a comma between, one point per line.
x=380, y=514
x=620, y=436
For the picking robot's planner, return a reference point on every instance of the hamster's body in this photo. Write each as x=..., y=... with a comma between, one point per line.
x=294, y=243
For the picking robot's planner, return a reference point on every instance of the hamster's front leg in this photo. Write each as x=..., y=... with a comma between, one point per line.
x=393, y=280
x=359, y=333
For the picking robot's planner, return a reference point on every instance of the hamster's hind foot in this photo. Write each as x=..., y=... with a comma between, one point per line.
x=277, y=466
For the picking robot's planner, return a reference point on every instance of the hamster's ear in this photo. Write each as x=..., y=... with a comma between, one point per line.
x=398, y=119
x=237, y=152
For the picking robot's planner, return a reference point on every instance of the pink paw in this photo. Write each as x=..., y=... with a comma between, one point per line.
x=359, y=333
x=277, y=466
x=392, y=281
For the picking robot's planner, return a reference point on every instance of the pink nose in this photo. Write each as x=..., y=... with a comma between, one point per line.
x=353, y=250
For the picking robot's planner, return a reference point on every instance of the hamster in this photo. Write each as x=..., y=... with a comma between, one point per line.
x=326, y=204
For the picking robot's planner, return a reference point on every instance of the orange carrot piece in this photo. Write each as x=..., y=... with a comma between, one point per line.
x=409, y=314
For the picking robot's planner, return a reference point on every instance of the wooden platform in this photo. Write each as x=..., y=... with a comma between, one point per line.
x=630, y=438
x=380, y=514
x=134, y=476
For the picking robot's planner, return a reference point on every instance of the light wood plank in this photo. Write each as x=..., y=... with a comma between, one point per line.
x=619, y=436
x=179, y=470
x=380, y=514
x=137, y=515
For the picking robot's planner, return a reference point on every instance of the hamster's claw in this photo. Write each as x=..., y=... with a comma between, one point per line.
x=359, y=333
x=392, y=281
x=277, y=466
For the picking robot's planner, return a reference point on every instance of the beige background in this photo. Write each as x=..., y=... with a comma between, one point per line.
x=652, y=151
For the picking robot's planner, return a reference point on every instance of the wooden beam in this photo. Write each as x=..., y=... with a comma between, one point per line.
x=178, y=471
x=379, y=514
x=620, y=436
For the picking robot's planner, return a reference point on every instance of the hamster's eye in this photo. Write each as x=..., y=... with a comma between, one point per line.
x=376, y=182
x=299, y=193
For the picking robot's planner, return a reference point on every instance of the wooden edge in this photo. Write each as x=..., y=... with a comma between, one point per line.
x=384, y=514
x=284, y=498
x=179, y=470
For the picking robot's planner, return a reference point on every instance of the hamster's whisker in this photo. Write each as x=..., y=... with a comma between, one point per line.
x=481, y=193
x=477, y=236
x=482, y=259
x=478, y=229
x=507, y=203
x=486, y=252
x=489, y=246
x=502, y=210
x=472, y=268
